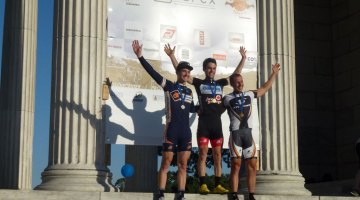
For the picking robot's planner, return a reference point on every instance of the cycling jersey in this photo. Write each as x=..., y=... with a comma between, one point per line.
x=178, y=104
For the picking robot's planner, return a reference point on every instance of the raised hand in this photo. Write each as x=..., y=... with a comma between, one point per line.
x=137, y=48
x=276, y=68
x=242, y=52
x=108, y=82
x=170, y=52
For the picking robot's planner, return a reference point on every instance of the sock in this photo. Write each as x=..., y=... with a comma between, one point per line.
x=161, y=192
x=181, y=193
x=251, y=196
x=217, y=180
x=202, y=180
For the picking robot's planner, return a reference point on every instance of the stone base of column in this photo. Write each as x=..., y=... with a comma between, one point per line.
x=76, y=180
x=277, y=184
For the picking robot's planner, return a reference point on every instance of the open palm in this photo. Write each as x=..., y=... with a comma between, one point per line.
x=242, y=52
x=137, y=48
x=276, y=68
x=168, y=50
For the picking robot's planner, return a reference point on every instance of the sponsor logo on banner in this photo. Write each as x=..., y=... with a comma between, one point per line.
x=167, y=33
x=251, y=59
x=133, y=30
x=164, y=1
x=236, y=40
x=202, y=38
x=185, y=54
x=132, y=2
x=239, y=6
x=219, y=57
x=194, y=3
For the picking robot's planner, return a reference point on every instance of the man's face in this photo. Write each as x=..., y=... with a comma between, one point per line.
x=237, y=83
x=183, y=75
x=210, y=70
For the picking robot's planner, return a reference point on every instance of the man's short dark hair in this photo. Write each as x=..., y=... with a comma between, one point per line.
x=207, y=61
x=233, y=76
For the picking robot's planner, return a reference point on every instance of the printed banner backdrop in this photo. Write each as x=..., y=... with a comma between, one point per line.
x=199, y=29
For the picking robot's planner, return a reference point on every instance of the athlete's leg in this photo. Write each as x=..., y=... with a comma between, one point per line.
x=201, y=167
x=251, y=161
x=201, y=164
x=216, y=152
x=166, y=159
x=234, y=173
x=182, y=159
x=251, y=174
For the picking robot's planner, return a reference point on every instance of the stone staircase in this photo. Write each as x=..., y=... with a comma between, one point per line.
x=71, y=195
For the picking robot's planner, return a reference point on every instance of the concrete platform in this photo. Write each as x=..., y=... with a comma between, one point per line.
x=67, y=195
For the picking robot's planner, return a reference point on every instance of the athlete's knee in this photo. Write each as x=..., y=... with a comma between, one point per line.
x=251, y=165
x=202, y=158
x=202, y=155
x=236, y=164
x=165, y=165
x=164, y=168
x=182, y=166
x=217, y=154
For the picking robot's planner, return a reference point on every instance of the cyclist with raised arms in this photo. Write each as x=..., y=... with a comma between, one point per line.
x=177, y=134
x=241, y=143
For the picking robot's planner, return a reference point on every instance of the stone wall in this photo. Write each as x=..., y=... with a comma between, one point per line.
x=327, y=36
x=346, y=66
x=315, y=90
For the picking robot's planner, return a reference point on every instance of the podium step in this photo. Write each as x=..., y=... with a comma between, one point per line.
x=72, y=195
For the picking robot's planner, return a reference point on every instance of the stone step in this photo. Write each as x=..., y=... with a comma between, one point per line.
x=72, y=195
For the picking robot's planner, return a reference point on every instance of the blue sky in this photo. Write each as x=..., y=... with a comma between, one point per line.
x=43, y=88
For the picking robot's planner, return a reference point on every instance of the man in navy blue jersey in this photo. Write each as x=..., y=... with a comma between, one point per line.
x=241, y=143
x=177, y=134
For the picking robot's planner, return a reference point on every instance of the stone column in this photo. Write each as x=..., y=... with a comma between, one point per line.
x=76, y=152
x=17, y=93
x=144, y=159
x=279, y=166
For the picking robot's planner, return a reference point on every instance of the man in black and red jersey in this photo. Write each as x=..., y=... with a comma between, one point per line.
x=210, y=94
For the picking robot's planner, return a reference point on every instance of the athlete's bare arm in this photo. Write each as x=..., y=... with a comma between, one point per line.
x=241, y=64
x=267, y=85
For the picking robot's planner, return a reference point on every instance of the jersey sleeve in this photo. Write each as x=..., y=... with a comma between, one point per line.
x=254, y=93
x=223, y=82
x=196, y=82
x=226, y=101
x=154, y=74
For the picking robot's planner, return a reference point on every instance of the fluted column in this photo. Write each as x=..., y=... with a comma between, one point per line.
x=17, y=93
x=279, y=166
x=76, y=152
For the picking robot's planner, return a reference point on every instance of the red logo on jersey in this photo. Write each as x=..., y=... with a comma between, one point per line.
x=175, y=95
x=218, y=97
